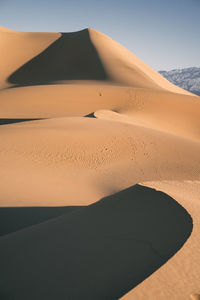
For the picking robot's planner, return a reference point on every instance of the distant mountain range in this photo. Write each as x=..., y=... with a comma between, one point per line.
x=188, y=78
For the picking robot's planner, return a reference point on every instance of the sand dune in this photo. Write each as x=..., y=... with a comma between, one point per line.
x=27, y=45
x=81, y=119
x=96, y=60
x=42, y=158
x=95, y=248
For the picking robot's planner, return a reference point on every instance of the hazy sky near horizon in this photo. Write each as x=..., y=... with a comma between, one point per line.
x=164, y=34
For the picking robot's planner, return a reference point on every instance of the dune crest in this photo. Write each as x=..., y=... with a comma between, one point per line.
x=6, y=29
x=118, y=64
x=126, y=68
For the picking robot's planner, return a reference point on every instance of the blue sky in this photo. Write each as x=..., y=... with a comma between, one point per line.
x=163, y=33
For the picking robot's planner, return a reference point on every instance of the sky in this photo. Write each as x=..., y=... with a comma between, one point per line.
x=163, y=33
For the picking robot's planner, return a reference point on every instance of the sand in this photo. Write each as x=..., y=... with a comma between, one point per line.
x=82, y=119
x=89, y=245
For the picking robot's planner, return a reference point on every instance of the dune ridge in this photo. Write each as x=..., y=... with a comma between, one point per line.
x=83, y=119
x=129, y=70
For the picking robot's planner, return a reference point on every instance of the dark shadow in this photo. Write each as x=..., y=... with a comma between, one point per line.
x=16, y=218
x=97, y=252
x=11, y=121
x=91, y=115
x=71, y=57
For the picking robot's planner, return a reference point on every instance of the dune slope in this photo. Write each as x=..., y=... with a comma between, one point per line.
x=101, y=251
x=84, y=55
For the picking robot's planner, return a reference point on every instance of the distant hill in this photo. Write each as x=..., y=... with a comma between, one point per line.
x=188, y=78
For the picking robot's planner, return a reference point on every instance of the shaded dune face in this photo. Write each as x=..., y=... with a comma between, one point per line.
x=6, y=121
x=96, y=252
x=15, y=218
x=71, y=57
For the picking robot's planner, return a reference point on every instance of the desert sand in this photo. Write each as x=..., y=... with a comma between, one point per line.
x=90, y=137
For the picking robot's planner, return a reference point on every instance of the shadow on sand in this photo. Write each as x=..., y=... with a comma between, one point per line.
x=96, y=252
x=71, y=57
x=12, y=121
x=15, y=218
